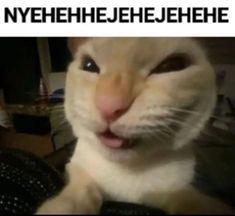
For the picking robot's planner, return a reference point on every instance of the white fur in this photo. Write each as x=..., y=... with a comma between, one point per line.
x=172, y=167
x=160, y=164
x=124, y=184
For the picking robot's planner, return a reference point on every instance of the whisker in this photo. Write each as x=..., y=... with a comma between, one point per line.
x=161, y=137
x=193, y=112
x=181, y=123
x=164, y=135
x=204, y=131
x=149, y=134
x=168, y=111
x=156, y=130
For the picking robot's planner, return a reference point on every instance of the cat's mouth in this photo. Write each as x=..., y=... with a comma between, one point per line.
x=111, y=140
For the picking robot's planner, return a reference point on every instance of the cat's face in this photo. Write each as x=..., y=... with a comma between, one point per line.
x=134, y=96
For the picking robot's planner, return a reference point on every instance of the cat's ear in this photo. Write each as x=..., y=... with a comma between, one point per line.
x=75, y=42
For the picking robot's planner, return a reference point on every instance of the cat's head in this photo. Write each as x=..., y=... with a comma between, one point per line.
x=135, y=96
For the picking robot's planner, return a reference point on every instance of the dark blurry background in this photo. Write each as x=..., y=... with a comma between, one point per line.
x=21, y=65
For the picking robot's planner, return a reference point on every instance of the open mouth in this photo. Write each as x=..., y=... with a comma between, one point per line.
x=111, y=140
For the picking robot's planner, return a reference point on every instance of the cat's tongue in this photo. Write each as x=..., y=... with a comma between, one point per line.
x=111, y=140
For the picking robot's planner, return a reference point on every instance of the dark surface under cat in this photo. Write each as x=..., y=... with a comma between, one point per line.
x=215, y=175
x=26, y=181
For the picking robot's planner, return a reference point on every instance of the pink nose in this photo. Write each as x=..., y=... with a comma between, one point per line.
x=111, y=106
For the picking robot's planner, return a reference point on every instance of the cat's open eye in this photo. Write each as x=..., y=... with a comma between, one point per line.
x=174, y=62
x=88, y=64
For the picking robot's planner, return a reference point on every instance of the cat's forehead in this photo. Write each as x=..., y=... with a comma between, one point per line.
x=138, y=50
x=125, y=44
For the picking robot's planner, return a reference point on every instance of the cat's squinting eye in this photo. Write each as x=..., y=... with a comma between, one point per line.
x=172, y=63
x=88, y=64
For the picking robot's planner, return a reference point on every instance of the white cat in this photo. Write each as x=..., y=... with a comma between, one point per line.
x=136, y=104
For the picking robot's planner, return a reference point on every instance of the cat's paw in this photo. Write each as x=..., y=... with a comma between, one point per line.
x=57, y=205
x=67, y=206
x=85, y=202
